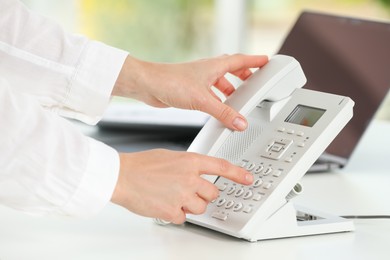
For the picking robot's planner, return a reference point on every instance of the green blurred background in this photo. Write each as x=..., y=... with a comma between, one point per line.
x=182, y=30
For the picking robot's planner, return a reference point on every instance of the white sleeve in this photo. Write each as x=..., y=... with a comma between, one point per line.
x=68, y=74
x=46, y=165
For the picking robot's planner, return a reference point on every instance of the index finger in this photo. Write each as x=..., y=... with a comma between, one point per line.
x=220, y=167
x=240, y=61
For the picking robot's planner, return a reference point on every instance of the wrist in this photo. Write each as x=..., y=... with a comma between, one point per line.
x=129, y=78
x=117, y=195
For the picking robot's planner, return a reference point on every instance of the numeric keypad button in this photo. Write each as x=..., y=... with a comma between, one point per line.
x=229, y=204
x=239, y=192
x=250, y=166
x=231, y=190
x=259, y=168
x=220, y=202
x=267, y=171
x=248, y=195
x=238, y=206
x=257, y=183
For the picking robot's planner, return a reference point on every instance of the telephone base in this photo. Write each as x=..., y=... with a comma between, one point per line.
x=293, y=221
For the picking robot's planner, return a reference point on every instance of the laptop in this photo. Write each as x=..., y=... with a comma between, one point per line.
x=138, y=116
x=341, y=55
x=345, y=56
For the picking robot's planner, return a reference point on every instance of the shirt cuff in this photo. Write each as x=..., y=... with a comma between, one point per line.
x=92, y=84
x=98, y=184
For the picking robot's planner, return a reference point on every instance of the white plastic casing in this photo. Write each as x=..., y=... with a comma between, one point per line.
x=267, y=99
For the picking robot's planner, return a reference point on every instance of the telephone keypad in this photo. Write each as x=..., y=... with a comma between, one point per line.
x=242, y=199
x=268, y=168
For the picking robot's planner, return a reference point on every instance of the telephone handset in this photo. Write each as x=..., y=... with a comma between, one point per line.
x=289, y=127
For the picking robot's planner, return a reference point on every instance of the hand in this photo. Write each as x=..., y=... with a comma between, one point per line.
x=167, y=184
x=188, y=85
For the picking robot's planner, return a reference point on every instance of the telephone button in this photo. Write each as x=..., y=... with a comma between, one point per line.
x=239, y=192
x=238, y=206
x=267, y=185
x=231, y=190
x=267, y=171
x=229, y=204
x=250, y=167
x=248, y=195
x=243, y=163
x=219, y=215
x=220, y=202
x=221, y=187
x=281, y=129
x=259, y=169
x=290, y=131
x=300, y=133
x=247, y=209
x=276, y=147
x=257, y=183
x=257, y=197
x=277, y=173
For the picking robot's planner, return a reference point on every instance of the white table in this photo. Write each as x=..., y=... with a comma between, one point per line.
x=362, y=188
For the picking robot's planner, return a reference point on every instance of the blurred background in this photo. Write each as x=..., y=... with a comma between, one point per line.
x=182, y=30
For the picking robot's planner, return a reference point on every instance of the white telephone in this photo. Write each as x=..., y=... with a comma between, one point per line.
x=289, y=128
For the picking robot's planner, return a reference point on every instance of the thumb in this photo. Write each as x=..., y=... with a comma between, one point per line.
x=226, y=115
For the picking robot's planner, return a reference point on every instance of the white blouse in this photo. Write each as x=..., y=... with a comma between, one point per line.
x=46, y=165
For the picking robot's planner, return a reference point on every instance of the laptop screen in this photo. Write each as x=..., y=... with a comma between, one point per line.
x=344, y=56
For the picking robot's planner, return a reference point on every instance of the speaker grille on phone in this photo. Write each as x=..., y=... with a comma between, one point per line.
x=237, y=143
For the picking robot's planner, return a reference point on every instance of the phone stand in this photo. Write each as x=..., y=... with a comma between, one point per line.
x=292, y=220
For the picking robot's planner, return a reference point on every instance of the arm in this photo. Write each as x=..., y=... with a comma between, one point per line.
x=46, y=165
x=68, y=74
x=78, y=84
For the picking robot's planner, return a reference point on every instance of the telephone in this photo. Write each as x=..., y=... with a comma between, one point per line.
x=289, y=127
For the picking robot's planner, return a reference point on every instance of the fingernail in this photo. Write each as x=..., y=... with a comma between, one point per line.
x=249, y=178
x=239, y=123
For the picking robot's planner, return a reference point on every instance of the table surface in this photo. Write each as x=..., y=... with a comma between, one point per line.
x=115, y=233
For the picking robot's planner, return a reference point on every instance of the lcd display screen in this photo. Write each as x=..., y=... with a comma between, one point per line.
x=305, y=115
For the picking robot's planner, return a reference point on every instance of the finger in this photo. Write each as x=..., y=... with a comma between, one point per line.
x=240, y=61
x=224, y=86
x=225, y=114
x=207, y=191
x=242, y=74
x=195, y=205
x=221, y=167
x=179, y=217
